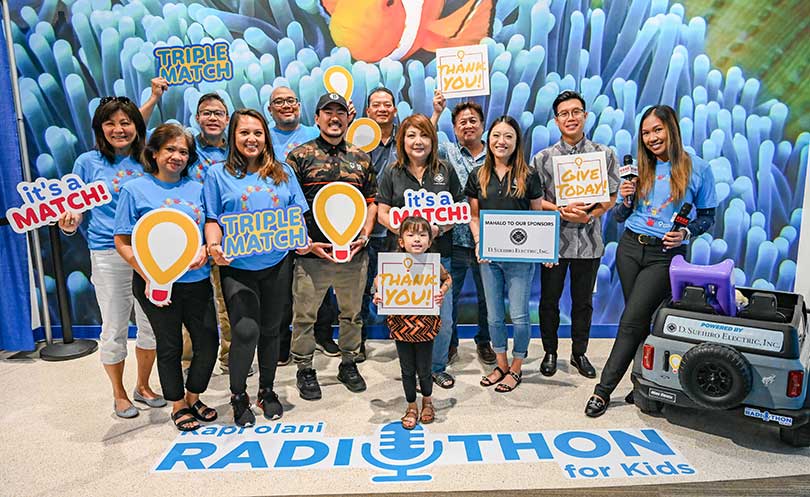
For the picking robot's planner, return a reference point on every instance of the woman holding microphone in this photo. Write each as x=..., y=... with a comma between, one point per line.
x=668, y=177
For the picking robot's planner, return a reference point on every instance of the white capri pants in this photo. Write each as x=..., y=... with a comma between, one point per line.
x=112, y=278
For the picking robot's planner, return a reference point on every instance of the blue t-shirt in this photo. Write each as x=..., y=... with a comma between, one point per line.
x=225, y=193
x=285, y=141
x=653, y=215
x=148, y=193
x=92, y=166
x=208, y=155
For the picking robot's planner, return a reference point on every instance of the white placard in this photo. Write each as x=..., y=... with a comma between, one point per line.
x=463, y=71
x=407, y=283
x=581, y=178
x=519, y=236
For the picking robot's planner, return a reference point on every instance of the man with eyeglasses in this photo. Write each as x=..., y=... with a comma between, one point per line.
x=327, y=159
x=581, y=244
x=212, y=149
x=286, y=134
x=468, y=152
x=381, y=109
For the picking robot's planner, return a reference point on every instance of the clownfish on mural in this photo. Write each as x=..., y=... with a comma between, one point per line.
x=373, y=29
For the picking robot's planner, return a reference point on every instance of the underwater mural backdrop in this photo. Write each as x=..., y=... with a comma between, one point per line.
x=701, y=57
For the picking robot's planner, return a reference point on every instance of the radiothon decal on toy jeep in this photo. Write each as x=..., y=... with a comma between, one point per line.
x=740, y=336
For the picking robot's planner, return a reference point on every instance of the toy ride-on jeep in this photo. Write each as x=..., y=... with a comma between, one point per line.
x=742, y=351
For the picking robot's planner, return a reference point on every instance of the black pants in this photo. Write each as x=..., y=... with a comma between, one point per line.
x=256, y=302
x=415, y=358
x=552, y=281
x=644, y=274
x=193, y=306
x=327, y=315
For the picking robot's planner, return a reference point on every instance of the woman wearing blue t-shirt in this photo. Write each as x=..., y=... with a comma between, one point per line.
x=257, y=287
x=166, y=158
x=668, y=177
x=120, y=134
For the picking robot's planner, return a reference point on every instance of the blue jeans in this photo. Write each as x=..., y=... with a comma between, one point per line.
x=441, y=344
x=464, y=260
x=515, y=280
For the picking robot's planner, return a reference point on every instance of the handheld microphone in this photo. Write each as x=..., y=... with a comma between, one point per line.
x=681, y=218
x=628, y=171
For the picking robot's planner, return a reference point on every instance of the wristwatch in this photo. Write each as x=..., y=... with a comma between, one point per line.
x=686, y=233
x=365, y=239
x=591, y=219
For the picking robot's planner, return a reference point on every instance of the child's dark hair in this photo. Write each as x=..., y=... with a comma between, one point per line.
x=415, y=224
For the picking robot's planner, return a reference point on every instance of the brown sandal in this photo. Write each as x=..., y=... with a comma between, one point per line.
x=410, y=418
x=428, y=413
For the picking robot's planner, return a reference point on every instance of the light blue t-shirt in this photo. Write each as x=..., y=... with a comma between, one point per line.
x=225, y=193
x=208, y=155
x=653, y=215
x=285, y=141
x=92, y=166
x=148, y=193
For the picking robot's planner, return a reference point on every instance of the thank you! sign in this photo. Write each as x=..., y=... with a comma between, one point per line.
x=581, y=178
x=436, y=208
x=44, y=200
x=396, y=455
x=192, y=64
x=262, y=232
x=408, y=283
x=519, y=236
x=463, y=71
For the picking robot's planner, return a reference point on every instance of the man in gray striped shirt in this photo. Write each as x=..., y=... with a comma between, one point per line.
x=581, y=245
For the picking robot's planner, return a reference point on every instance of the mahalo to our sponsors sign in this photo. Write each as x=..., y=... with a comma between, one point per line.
x=397, y=455
x=519, y=236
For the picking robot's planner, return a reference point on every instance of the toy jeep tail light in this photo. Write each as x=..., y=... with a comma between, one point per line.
x=649, y=356
x=794, y=383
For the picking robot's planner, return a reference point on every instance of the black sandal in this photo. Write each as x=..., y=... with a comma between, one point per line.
x=503, y=387
x=189, y=424
x=444, y=379
x=202, y=412
x=486, y=382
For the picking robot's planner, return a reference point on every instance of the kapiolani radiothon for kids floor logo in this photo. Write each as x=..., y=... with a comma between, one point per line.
x=398, y=455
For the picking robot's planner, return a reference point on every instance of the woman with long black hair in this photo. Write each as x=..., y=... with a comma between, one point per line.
x=668, y=177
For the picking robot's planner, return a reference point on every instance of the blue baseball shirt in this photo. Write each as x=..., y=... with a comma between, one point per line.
x=225, y=193
x=207, y=156
x=148, y=193
x=285, y=141
x=653, y=215
x=92, y=166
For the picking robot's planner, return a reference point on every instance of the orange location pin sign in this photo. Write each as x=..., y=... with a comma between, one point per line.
x=364, y=133
x=338, y=79
x=165, y=242
x=340, y=211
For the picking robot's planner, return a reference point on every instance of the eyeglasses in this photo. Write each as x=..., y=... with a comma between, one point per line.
x=120, y=100
x=576, y=114
x=280, y=102
x=219, y=114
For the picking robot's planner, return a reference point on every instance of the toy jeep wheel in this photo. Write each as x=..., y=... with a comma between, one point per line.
x=796, y=437
x=715, y=376
x=645, y=405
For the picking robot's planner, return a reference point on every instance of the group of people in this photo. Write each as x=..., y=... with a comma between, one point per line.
x=279, y=306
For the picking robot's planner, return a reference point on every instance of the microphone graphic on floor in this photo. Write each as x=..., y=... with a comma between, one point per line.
x=403, y=448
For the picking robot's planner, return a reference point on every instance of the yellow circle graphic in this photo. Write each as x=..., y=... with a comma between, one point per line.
x=338, y=79
x=364, y=133
x=144, y=249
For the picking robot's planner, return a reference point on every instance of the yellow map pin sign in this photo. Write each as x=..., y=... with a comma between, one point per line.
x=364, y=133
x=340, y=211
x=338, y=79
x=165, y=242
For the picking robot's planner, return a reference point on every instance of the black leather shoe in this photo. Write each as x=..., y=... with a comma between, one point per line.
x=549, y=365
x=350, y=376
x=596, y=406
x=583, y=365
x=629, y=399
x=485, y=353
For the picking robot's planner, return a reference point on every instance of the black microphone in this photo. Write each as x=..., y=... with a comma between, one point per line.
x=628, y=171
x=681, y=219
